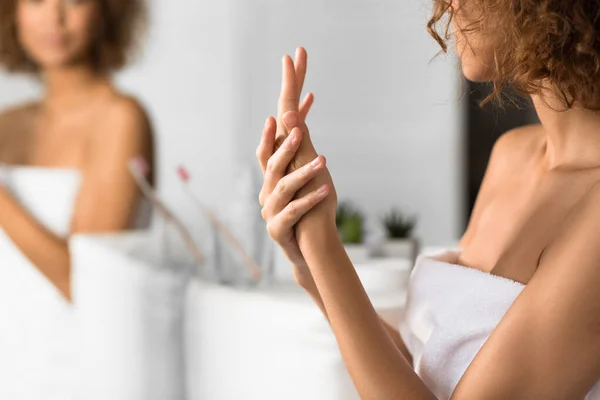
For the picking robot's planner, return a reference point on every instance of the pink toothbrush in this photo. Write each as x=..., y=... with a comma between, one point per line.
x=252, y=266
x=139, y=169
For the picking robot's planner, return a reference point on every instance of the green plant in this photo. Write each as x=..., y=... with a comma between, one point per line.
x=350, y=223
x=398, y=225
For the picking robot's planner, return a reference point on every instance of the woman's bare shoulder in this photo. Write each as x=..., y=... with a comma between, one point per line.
x=16, y=115
x=511, y=153
x=516, y=147
x=124, y=108
x=124, y=128
x=15, y=123
x=124, y=119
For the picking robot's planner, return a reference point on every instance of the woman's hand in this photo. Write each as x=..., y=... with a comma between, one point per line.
x=281, y=209
x=291, y=118
x=296, y=154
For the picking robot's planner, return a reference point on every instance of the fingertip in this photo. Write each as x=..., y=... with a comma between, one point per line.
x=309, y=98
x=287, y=59
x=320, y=160
x=268, y=128
x=306, y=105
x=296, y=131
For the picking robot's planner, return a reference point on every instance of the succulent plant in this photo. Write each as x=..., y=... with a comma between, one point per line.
x=398, y=225
x=350, y=223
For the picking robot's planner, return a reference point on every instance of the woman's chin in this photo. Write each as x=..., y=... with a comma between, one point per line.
x=55, y=61
x=476, y=73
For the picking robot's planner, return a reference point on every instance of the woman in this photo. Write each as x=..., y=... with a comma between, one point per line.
x=82, y=123
x=66, y=172
x=514, y=313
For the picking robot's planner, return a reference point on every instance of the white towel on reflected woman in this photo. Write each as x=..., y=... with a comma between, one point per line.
x=450, y=312
x=129, y=305
x=39, y=329
x=38, y=351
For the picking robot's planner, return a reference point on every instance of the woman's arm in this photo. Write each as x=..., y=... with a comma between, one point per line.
x=306, y=281
x=376, y=364
x=292, y=83
x=45, y=250
x=109, y=195
x=106, y=200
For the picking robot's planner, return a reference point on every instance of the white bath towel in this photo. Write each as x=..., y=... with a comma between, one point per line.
x=40, y=332
x=130, y=313
x=450, y=312
x=38, y=340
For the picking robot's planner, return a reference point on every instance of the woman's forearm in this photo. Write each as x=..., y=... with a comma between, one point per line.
x=377, y=366
x=306, y=281
x=49, y=253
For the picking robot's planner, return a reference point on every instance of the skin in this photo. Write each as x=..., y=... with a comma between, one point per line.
x=535, y=221
x=82, y=122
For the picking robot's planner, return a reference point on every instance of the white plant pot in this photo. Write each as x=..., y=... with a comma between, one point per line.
x=384, y=276
x=358, y=253
x=399, y=248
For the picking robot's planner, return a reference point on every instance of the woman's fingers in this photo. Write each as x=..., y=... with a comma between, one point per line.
x=300, y=63
x=293, y=75
x=293, y=119
x=288, y=98
x=286, y=188
x=266, y=147
x=278, y=163
x=281, y=224
x=275, y=151
x=306, y=105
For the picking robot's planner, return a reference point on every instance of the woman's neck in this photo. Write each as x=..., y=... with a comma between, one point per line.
x=71, y=87
x=572, y=136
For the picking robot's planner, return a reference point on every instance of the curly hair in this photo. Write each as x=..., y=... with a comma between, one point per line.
x=122, y=26
x=552, y=41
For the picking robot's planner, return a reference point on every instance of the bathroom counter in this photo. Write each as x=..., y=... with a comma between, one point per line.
x=270, y=343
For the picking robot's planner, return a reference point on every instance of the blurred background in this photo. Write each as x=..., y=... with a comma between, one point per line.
x=398, y=125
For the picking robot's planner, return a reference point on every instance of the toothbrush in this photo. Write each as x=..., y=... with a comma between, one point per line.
x=252, y=266
x=139, y=169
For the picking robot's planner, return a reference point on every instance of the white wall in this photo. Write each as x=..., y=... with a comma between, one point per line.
x=387, y=120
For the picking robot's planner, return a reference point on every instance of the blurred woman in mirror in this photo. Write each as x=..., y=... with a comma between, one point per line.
x=64, y=170
x=82, y=123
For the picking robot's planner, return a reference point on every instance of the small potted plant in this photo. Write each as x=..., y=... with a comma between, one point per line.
x=350, y=222
x=400, y=241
